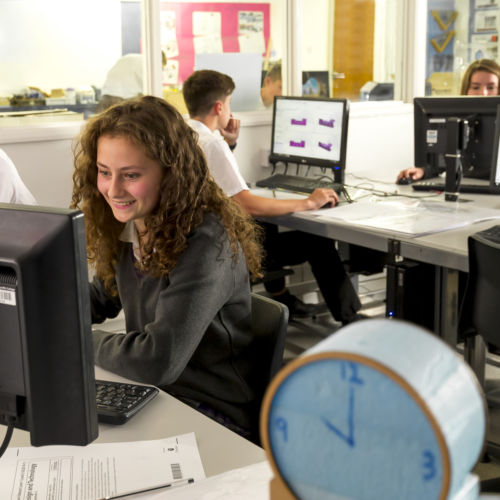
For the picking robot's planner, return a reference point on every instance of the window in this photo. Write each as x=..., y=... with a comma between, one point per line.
x=348, y=49
x=58, y=52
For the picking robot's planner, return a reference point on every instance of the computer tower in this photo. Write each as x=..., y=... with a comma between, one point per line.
x=411, y=292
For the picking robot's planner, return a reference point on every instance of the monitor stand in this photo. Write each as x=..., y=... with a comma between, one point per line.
x=457, y=134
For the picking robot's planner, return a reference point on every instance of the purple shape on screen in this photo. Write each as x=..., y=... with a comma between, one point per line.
x=327, y=123
x=323, y=145
x=299, y=122
x=301, y=144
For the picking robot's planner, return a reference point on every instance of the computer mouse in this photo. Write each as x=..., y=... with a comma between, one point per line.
x=405, y=181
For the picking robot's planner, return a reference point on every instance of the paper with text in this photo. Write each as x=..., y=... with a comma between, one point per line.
x=97, y=470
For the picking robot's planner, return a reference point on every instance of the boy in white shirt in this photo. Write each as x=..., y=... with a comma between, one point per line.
x=207, y=95
x=12, y=188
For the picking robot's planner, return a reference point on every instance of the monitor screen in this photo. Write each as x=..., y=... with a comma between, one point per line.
x=310, y=131
x=47, y=384
x=430, y=115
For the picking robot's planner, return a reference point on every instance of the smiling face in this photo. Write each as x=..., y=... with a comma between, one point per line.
x=483, y=83
x=127, y=179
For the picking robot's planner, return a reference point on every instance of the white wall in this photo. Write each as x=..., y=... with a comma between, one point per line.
x=380, y=139
x=379, y=145
x=57, y=43
x=315, y=35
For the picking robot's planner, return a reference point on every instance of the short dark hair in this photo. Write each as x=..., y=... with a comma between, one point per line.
x=204, y=88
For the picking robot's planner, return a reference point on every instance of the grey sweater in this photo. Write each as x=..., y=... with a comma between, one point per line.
x=188, y=333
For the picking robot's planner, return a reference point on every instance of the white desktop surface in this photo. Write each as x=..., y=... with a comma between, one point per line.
x=220, y=449
x=446, y=248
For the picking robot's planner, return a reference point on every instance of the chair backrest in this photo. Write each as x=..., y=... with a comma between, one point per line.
x=269, y=325
x=480, y=312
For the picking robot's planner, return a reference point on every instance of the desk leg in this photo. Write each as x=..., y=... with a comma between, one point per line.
x=446, y=308
x=475, y=356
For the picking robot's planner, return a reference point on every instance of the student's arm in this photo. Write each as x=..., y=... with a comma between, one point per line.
x=103, y=305
x=417, y=173
x=269, y=207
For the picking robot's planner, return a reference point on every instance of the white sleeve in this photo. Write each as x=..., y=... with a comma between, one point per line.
x=223, y=167
x=12, y=188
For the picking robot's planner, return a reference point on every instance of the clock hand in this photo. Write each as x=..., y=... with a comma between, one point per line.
x=348, y=438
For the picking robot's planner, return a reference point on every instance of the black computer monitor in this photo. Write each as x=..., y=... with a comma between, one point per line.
x=47, y=384
x=310, y=131
x=430, y=133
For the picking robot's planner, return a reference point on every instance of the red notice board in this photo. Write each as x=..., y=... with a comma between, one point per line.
x=229, y=28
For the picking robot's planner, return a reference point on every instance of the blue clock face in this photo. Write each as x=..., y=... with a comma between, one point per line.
x=343, y=429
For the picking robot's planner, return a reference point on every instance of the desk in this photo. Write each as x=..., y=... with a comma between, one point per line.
x=220, y=449
x=446, y=250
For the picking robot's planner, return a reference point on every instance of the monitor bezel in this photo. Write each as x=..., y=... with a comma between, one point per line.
x=336, y=166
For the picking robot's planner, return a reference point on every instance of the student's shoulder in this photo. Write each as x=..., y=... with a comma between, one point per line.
x=211, y=226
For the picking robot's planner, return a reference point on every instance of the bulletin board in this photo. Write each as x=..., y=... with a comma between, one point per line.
x=188, y=29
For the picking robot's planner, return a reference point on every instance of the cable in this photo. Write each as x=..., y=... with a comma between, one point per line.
x=7, y=438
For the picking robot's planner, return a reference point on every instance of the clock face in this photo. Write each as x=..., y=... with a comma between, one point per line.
x=345, y=429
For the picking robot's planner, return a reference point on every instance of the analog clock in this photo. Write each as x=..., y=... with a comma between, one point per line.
x=347, y=421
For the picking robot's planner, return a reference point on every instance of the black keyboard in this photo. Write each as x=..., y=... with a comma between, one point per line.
x=117, y=402
x=491, y=234
x=297, y=184
x=464, y=188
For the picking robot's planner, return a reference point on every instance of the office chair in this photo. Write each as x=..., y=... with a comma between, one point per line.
x=269, y=326
x=480, y=312
x=480, y=319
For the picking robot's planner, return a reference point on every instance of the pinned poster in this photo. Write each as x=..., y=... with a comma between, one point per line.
x=206, y=23
x=486, y=20
x=168, y=33
x=171, y=72
x=207, y=44
x=207, y=32
x=251, y=32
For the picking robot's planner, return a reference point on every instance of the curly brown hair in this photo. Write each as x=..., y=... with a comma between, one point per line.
x=187, y=192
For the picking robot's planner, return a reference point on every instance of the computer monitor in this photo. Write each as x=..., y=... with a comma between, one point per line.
x=310, y=131
x=430, y=122
x=47, y=384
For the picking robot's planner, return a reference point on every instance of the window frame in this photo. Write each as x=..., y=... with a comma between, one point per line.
x=410, y=56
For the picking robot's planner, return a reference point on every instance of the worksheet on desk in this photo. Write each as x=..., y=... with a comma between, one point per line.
x=412, y=217
x=97, y=470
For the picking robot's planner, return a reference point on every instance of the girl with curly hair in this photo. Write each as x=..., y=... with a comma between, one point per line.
x=174, y=252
